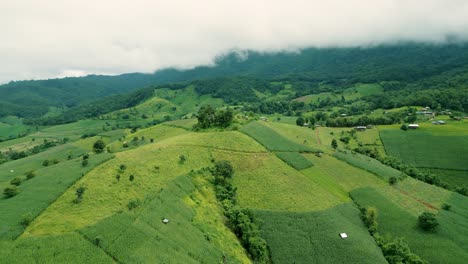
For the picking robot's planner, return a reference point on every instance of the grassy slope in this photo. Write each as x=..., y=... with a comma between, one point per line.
x=445, y=246
x=272, y=140
x=439, y=147
x=313, y=237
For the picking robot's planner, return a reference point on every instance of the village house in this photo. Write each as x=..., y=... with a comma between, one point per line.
x=413, y=126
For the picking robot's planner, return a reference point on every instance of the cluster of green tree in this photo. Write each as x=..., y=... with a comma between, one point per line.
x=234, y=89
x=241, y=221
x=96, y=108
x=13, y=190
x=394, y=250
x=408, y=65
x=209, y=117
x=14, y=155
x=416, y=173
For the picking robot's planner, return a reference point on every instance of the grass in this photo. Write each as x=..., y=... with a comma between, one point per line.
x=446, y=245
x=297, y=134
x=344, y=174
x=368, y=164
x=295, y=160
x=421, y=148
x=67, y=248
x=272, y=140
x=183, y=123
x=189, y=237
x=313, y=237
x=226, y=140
x=153, y=166
x=39, y=192
x=265, y=182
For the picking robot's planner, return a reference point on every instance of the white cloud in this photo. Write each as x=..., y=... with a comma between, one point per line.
x=52, y=38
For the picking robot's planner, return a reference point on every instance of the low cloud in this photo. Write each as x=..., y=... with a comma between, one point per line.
x=57, y=38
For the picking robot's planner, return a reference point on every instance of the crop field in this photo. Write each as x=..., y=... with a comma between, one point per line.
x=267, y=183
x=427, y=148
x=344, y=174
x=74, y=130
x=445, y=245
x=183, y=123
x=227, y=140
x=38, y=193
x=297, y=134
x=295, y=160
x=140, y=236
x=152, y=166
x=368, y=164
x=12, y=127
x=66, y=248
x=272, y=140
x=313, y=237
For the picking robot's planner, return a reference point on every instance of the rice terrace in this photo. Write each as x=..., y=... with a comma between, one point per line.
x=248, y=132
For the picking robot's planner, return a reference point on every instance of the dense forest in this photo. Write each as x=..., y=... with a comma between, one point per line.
x=406, y=69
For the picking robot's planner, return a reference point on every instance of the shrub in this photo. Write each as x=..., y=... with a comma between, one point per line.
x=79, y=194
x=85, y=156
x=131, y=177
x=84, y=163
x=404, y=127
x=99, y=146
x=133, y=204
x=30, y=175
x=182, y=159
x=16, y=181
x=55, y=161
x=446, y=207
x=392, y=180
x=428, y=221
x=117, y=177
x=122, y=167
x=26, y=219
x=46, y=163
x=334, y=144
x=9, y=192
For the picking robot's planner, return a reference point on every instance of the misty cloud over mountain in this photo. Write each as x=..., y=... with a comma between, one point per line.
x=73, y=38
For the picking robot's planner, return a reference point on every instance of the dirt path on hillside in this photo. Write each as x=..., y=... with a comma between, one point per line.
x=428, y=205
x=317, y=136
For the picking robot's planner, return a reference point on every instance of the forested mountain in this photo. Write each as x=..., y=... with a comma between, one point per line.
x=340, y=67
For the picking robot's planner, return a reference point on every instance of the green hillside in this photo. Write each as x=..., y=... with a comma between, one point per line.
x=249, y=161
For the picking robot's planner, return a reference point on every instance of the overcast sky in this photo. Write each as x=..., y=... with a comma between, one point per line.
x=56, y=38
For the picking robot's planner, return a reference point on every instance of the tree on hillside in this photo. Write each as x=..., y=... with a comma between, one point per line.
x=428, y=221
x=300, y=121
x=206, y=116
x=99, y=146
x=334, y=144
x=11, y=191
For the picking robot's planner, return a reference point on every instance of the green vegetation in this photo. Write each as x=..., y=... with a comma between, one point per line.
x=395, y=220
x=272, y=140
x=247, y=161
x=313, y=237
x=295, y=160
x=241, y=221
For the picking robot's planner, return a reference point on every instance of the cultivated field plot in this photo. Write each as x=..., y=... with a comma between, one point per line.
x=297, y=134
x=368, y=164
x=313, y=237
x=265, y=182
x=429, y=148
x=295, y=160
x=344, y=174
x=273, y=140
x=36, y=194
x=227, y=140
x=446, y=245
x=140, y=236
x=151, y=166
x=422, y=149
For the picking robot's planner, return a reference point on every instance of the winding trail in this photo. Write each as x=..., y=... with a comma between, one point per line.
x=317, y=138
